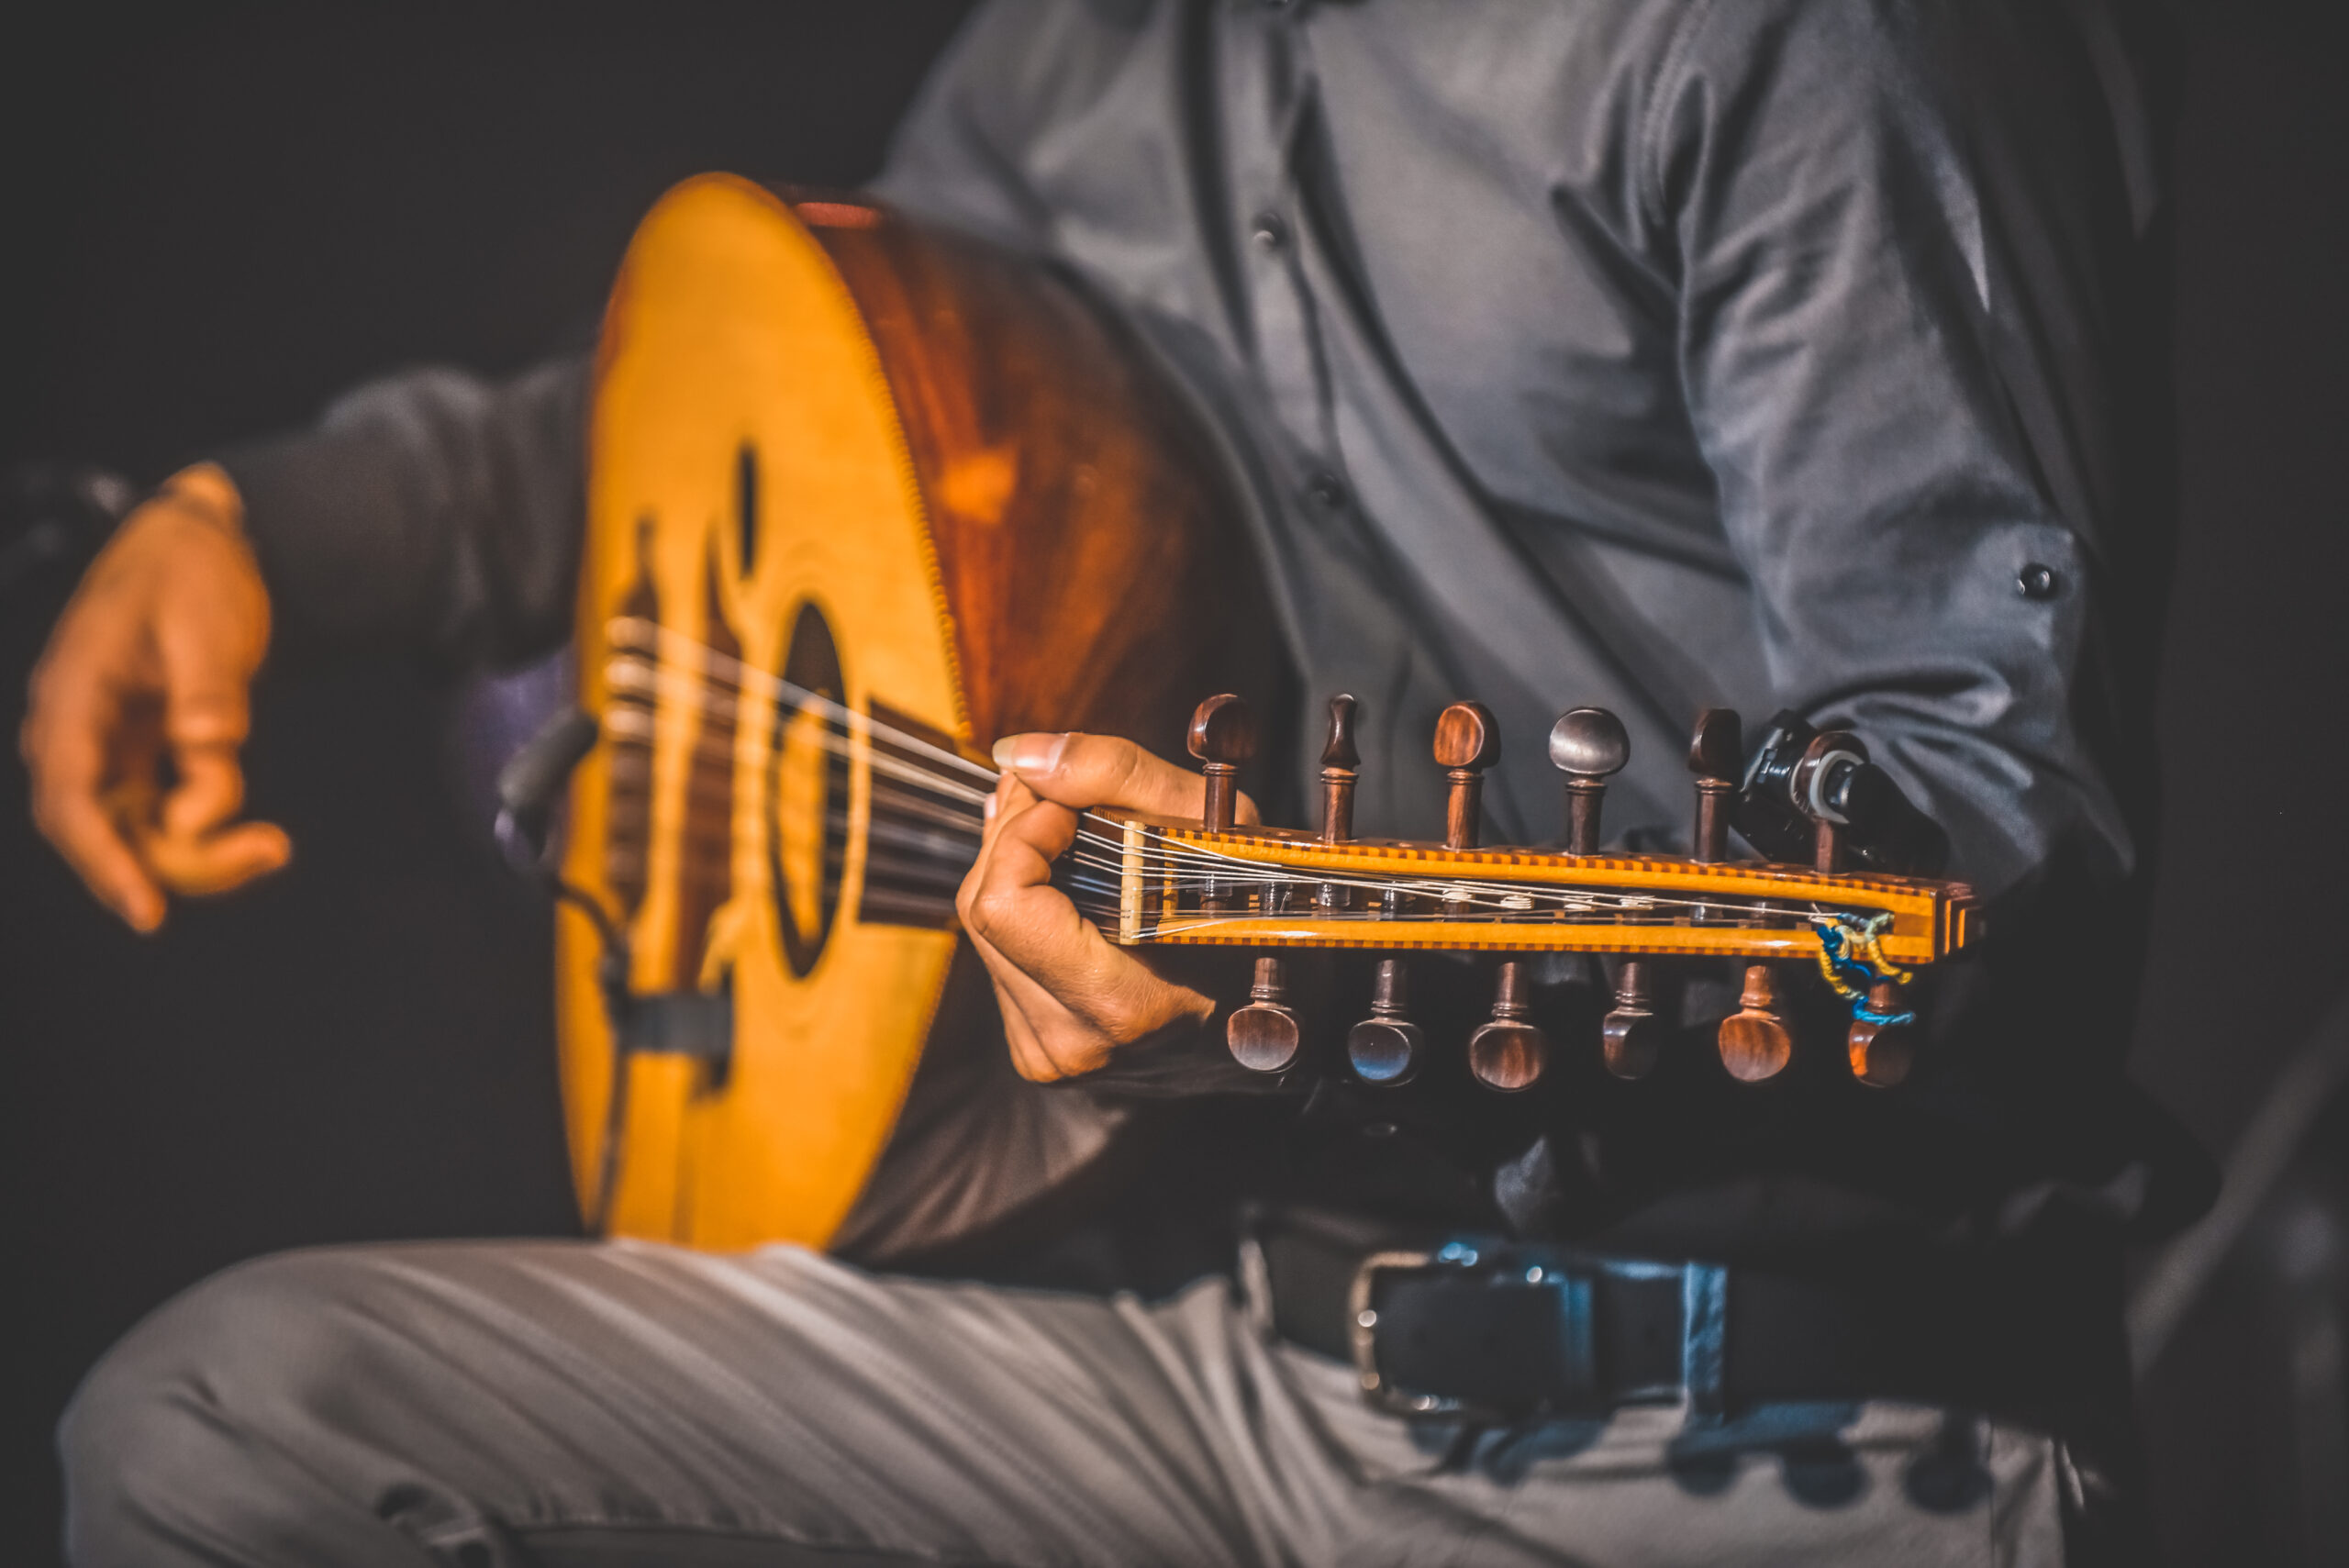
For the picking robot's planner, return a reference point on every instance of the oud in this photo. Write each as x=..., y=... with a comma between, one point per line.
x=862, y=497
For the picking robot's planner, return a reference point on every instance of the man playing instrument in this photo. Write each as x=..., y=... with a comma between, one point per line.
x=1656, y=355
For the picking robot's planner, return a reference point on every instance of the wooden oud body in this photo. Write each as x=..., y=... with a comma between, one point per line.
x=832, y=453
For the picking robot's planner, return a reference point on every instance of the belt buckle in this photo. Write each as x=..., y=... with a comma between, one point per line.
x=1361, y=1325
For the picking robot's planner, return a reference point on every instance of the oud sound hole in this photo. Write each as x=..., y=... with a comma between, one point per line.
x=808, y=793
x=746, y=506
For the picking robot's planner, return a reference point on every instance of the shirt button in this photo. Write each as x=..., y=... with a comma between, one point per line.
x=1269, y=230
x=1327, y=491
x=2038, y=584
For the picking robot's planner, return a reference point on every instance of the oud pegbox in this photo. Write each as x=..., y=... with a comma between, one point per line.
x=1156, y=881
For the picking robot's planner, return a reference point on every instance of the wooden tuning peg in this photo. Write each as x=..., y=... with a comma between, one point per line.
x=1882, y=1053
x=1467, y=741
x=1223, y=736
x=1340, y=763
x=1588, y=746
x=1755, y=1042
x=1820, y=777
x=1264, y=1035
x=1717, y=756
x=1509, y=1054
x=1385, y=1047
x=1632, y=1037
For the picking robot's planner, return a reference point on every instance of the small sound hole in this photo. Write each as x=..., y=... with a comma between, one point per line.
x=808, y=794
x=746, y=505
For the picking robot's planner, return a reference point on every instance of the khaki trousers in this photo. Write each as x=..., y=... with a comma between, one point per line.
x=491, y=1405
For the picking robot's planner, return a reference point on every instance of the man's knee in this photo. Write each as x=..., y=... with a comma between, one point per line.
x=241, y=1367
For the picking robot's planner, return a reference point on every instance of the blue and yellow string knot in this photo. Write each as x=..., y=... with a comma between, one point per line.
x=1851, y=955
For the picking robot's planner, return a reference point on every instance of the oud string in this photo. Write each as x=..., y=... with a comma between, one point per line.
x=638, y=675
x=650, y=637
x=630, y=631
x=1097, y=866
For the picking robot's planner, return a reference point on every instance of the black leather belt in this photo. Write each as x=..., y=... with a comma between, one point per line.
x=1472, y=1327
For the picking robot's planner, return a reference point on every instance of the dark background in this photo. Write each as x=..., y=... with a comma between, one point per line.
x=214, y=222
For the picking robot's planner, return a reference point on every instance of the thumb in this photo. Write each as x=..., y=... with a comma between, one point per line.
x=208, y=664
x=1082, y=772
x=208, y=645
x=207, y=654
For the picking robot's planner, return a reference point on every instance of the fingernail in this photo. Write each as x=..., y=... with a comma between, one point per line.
x=1035, y=754
x=988, y=806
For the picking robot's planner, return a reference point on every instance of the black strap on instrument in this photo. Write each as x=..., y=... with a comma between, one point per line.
x=688, y=1023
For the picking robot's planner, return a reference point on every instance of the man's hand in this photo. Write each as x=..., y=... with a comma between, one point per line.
x=152, y=658
x=1068, y=996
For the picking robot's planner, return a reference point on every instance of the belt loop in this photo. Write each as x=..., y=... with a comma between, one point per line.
x=1704, y=1340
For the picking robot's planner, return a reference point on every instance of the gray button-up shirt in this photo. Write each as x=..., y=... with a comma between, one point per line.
x=1655, y=355
x=1650, y=353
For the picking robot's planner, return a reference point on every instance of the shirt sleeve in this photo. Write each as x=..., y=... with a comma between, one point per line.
x=1901, y=232
x=433, y=511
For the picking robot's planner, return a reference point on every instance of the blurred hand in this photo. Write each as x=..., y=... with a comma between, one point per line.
x=1068, y=996
x=151, y=660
